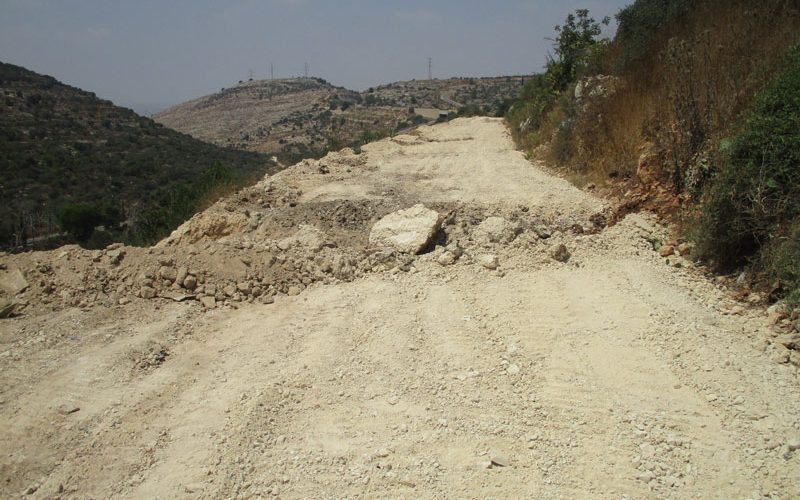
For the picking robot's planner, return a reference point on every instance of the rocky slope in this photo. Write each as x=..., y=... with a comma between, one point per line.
x=293, y=117
x=286, y=342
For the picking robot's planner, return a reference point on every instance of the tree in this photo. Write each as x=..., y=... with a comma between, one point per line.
x=80, y=219
x=573, y=46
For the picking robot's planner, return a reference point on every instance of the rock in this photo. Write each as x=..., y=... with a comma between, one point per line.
x=648, y=165
x=190, y=283
x=455, y=249
x=243, y=287
x=168, y=273
x=775, y=313
x=177, y=297
x=381, y=256
x=306, y=237
x=685, y=249
x=115, y=255
x=560, y=253
x=147, y=292
x=12, y=281
x=647, y=450
x=446, y=259
x=208, y=302
x=408, y=231
x=754, y=299
x=666, y=251
x=789, y=341
x=181, y=275
x=496, y=230
x=499, y=460
x=229, y=290
x=267, y=299
x=646, y=476
x=294, y=290
x=512, y=369
x=6, y=308
x=489, y=261
x=793, y=444
x=68, y=408
x=542, y=232
x=166, y=261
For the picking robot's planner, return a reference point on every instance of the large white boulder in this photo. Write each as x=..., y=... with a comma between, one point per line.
x=407, y=231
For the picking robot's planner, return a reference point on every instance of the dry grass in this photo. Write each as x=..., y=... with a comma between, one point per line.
x=687, y=96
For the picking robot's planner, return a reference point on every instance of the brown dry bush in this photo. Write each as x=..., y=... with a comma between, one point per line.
x=685, y=95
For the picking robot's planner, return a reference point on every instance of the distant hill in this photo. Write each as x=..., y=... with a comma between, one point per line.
x=491, y=94
x=301, y=117
x=295, y=117
x=62, y=146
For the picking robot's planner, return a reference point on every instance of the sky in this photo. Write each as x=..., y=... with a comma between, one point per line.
x=149, y=54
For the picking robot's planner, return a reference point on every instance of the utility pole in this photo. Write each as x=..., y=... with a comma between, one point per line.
x=306, y=70
x=271, y=72
x=250, y=75
x=430, y=66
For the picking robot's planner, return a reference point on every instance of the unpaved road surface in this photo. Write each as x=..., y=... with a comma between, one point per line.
x=613, y=375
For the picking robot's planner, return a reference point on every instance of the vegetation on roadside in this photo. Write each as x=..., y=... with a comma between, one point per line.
x=695, y=99
x=576, y=47
x=71, y=161
x=753, y=205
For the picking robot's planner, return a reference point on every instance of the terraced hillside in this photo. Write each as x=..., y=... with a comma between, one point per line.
x=304, y=117
x=450, y=94
x=293, y=118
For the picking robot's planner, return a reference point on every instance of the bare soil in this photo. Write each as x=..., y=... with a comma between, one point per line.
x=354, y=372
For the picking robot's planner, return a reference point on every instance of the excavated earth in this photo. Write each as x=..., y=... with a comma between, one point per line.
x=266, y=349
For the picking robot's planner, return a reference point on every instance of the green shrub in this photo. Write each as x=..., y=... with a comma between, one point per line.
x=470, y=110
x=535, y=99
x=573, y=47
x=754, y=205
x=781, y=262
x=577, y=47
x=639, y=23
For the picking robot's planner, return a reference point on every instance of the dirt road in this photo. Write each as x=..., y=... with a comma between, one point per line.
x=612, y=375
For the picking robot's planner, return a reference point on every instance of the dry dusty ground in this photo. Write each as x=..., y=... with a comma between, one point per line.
x=613, y=375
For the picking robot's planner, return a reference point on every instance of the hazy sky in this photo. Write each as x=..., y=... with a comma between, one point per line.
x=145, y=53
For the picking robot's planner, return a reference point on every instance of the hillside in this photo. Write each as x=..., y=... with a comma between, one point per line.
x=489, y=93
x=62, y=146
x=691, y=111
x=293, y=118
x=288, y=342
x=261, y=115
x=304, y=117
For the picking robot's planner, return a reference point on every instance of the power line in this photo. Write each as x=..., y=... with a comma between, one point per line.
x=306, y=70
x=430, y=66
